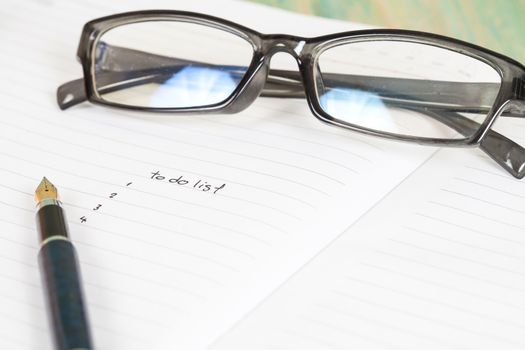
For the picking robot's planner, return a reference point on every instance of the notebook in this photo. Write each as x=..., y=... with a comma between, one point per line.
x=313, y=237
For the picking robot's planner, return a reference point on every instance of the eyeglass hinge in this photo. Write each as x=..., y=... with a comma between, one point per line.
x=519, y=88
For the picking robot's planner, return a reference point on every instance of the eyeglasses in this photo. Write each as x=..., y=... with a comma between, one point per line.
x=396, y=84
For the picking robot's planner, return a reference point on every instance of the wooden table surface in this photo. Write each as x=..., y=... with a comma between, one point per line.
x=495, y=24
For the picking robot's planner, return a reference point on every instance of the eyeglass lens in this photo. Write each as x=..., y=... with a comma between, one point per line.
x=169, y=64
x=405, y=88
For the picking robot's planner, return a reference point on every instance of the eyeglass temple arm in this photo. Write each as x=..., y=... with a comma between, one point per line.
x=507, y=153
x=288, y=84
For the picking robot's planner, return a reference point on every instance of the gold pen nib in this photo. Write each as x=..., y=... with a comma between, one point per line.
x=46, y=190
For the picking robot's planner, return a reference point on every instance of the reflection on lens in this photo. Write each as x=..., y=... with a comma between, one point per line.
x=169, y=64
x=357, y=107
x=406, y=88
x=195, y=86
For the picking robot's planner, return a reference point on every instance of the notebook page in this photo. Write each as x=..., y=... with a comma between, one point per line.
x=164, y=262
x=438, y=264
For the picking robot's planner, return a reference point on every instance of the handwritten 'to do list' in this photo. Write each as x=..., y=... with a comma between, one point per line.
x=198, y=185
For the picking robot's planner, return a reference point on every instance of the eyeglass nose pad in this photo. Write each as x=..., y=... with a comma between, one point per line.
x=252, y=89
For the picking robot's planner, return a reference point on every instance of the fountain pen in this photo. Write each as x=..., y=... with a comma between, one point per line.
x=60, y=273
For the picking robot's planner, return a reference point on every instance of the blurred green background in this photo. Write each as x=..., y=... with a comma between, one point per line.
x=496, y=24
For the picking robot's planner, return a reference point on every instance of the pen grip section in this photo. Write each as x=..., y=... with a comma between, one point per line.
x=63, y=293
x=51, y=221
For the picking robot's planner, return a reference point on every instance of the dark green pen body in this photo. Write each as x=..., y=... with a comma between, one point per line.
x=61, y=279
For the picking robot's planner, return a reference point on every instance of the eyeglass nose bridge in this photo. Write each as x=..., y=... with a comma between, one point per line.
x=274, y=43
x=268, y=46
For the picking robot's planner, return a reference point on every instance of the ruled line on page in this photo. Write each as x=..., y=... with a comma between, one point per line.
x=28, y=70
x=198, y=159
x=491, y=203
x=289, y=137
x=441, y=285
x=44, y=47
x=456, y=257
x=241, y=154
x=157, y=195
x=172, y=287
x=119, y=293
x=14, y=341
x=14, y=318
x=277, y=119
x=70, y=158
x=234, y=214
x=154, y=244
x=499, y=190
x=88, y=283
x=147, y=208
x=244, y=141
x=361, y=318
x=183, y=252
x=34, y=248
x=240, y=141
x=262, y=173
x=122, y=172
x=160, y=228
x=501, y=175
x=446, y=324
x=96, y=326
x=429, y=300
x=80, y=207
x=109, y=309
x=113, y=140
x=333, y=345
x=151, y=262
x=464, y=211
x=284, y=137
x=473, y=246
x=123, y=313
x=454, y=272
x=156, y=165
x=470, y=229
x=268, y=103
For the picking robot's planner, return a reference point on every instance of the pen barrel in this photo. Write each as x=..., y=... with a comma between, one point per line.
x=64, y=296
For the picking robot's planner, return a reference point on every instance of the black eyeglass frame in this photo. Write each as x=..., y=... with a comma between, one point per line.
x=510, y=99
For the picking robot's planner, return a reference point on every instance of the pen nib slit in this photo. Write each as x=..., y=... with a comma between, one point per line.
x=45, y=190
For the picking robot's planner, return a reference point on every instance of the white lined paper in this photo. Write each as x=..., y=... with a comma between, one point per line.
x=164, y=264
x=437, y=264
